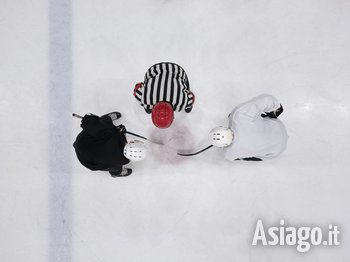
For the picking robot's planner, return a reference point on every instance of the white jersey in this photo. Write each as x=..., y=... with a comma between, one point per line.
x=255, y=136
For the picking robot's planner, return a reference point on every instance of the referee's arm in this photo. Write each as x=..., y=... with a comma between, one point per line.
x=190, y=101
x=138, y=91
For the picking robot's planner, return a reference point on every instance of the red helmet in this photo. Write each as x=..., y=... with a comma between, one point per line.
x=162, y=115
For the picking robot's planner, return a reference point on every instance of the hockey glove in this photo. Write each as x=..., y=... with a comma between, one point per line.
x=86, y=119
x=88, y=116
x=273, y=114
x=121, y=129
x=92, y=124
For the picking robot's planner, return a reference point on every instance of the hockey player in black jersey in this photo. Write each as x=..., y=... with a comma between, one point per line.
x=165, y=89
x=103, y=146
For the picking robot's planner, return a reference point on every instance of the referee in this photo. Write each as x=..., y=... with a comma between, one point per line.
x=165, y=89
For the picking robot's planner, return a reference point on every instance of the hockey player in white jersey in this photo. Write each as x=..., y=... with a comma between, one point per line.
x=254, y=133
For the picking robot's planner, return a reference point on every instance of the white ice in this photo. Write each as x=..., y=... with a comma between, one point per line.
x=202, y=208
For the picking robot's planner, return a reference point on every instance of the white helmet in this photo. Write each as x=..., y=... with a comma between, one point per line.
x=135, y=150
x=221, y=136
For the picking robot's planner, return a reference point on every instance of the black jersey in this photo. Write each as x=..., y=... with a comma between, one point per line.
x=165, y=82
x=100, y=145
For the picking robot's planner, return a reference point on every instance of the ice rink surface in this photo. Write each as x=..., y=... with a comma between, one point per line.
x=59, y=57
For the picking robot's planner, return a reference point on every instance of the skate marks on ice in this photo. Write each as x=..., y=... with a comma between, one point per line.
x=175, y=139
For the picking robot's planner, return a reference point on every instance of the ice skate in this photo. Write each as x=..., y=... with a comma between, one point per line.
x=114, y=115
x=125, y=172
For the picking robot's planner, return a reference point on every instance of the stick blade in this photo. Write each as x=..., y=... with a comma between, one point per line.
x=156, y=142
x=195, y=153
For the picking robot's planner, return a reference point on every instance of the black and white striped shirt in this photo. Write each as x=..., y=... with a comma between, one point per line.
x=165, y=82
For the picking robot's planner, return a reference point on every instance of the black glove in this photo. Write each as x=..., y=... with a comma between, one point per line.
x=86, y=119
x=273, y=114
x=121, y=129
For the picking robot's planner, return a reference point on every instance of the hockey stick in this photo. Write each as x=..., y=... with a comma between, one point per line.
x=130, y=133
x=77, y=116
x=152, y=141
x=196, y=153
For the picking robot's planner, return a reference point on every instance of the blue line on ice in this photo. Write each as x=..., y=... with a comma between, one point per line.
x=60, y=148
